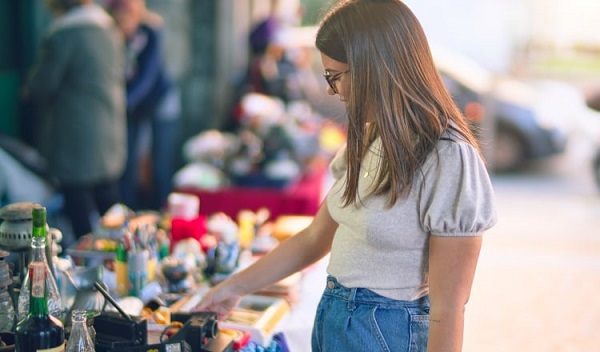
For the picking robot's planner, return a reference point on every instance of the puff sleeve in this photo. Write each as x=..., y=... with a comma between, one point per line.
x=457, y=198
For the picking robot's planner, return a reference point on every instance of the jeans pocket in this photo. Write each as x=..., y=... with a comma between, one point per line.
x=391, y=329
x=401, y=330
x=419, y=332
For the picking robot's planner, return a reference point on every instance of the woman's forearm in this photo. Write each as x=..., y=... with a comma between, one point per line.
x=446, y=329
x=452, y=263
x=292, y=255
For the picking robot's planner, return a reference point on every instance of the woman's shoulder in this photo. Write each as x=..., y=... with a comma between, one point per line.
x=453, y=145
x=453, y=152
x=453, y=142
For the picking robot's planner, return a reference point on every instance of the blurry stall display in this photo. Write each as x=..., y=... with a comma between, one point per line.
x=208, y=249
x=273, y=146
x=183, y=251
x=77, y=289
x=276, y=160
x=177, y=275
x=223, y=255
x=7, y=308
x=288, y=225
x=302, y=197
x=183, y=206
x=178, y=249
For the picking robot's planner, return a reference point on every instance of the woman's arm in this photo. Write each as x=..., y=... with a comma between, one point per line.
x=452, y=263
x=294, y=254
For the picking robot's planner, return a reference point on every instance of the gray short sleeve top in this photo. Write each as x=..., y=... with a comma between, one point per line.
x=386, y=249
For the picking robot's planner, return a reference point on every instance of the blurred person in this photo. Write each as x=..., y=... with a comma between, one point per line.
x=404, y=219
x=276, y=66
x=272, y=70
x=77, y=88
x=152, y=100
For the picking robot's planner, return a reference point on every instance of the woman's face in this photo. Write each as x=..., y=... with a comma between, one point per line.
x=337, y=76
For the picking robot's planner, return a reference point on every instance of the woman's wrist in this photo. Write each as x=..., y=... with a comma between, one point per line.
x=236, y=285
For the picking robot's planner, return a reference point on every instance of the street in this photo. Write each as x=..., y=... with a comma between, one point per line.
x=537, y=286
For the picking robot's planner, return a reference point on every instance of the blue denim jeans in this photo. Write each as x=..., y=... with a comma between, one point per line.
x=357, y=319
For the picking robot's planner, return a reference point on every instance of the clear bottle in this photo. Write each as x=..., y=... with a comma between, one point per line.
x=39, y=330
x=38, y=255
x=80, y=339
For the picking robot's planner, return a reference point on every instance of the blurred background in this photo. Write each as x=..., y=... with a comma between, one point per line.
x=525, y=72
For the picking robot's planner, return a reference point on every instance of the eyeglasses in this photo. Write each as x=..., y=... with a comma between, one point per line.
x=332, y=79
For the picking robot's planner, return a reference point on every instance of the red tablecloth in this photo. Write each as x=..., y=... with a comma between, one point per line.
x=302, y=197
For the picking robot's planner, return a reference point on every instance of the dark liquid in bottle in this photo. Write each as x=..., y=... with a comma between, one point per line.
x=35, y=333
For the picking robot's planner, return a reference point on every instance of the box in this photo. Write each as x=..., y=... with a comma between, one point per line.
x=258, y=315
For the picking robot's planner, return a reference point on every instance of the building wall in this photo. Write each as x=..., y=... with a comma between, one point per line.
x=502, y=34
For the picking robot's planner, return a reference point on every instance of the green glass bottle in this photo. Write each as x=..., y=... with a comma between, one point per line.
x=39, y=235
x=39, y=331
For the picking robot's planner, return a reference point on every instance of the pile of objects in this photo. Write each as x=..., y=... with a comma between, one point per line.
x=273, y=145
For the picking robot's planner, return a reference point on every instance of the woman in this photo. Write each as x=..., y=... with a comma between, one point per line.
x=412, y=197
x=77, y=87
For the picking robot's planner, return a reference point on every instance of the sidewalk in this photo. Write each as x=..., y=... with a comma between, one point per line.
x=537, y=286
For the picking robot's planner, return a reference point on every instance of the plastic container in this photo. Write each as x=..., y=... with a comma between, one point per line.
x=137, y=269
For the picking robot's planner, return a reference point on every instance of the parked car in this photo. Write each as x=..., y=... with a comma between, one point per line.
x=529, y=120
x=593, y=102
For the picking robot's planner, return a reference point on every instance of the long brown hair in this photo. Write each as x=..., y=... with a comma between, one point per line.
x=394, y=81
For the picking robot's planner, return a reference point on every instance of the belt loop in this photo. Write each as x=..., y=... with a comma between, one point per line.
x=351, y=305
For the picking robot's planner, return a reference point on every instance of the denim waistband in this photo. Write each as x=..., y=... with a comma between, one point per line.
x=366, y=296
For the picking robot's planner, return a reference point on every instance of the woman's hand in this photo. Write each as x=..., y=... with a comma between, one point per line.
x=221, y=300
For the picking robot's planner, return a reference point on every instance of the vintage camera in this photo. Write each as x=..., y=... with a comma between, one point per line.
x=199, y=329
